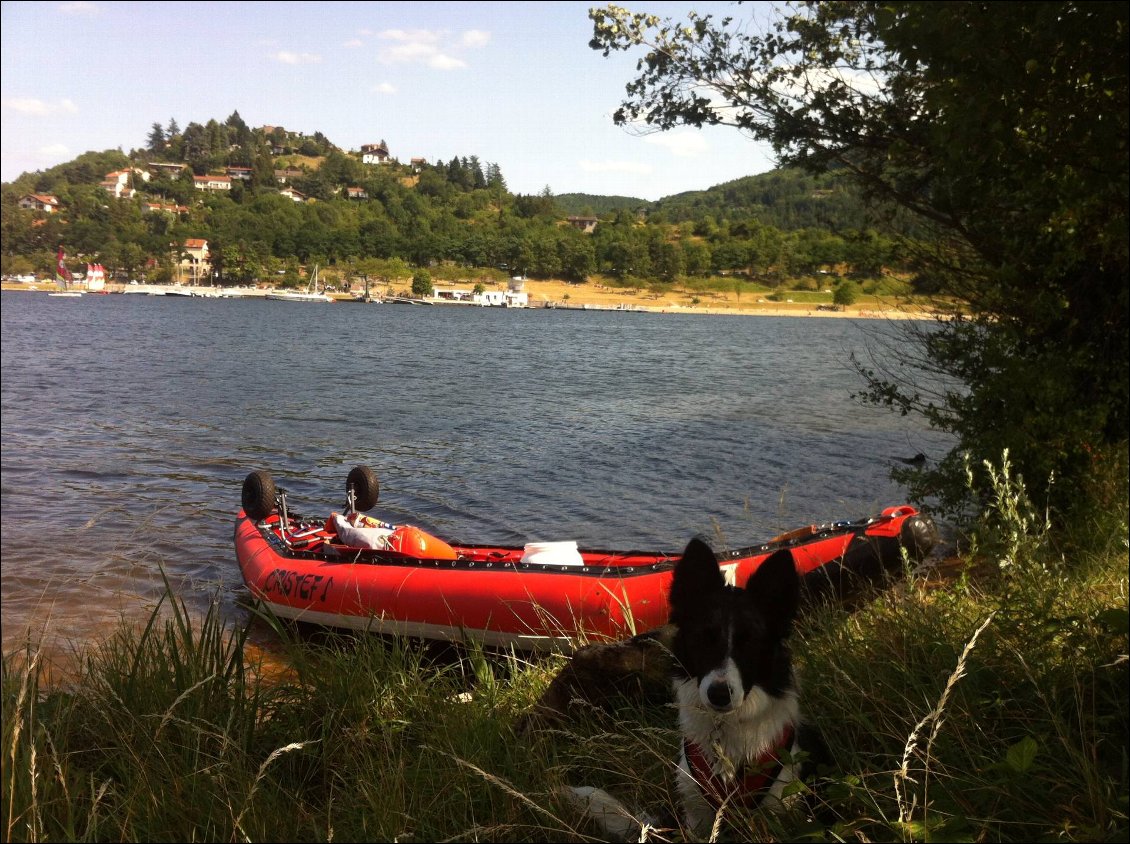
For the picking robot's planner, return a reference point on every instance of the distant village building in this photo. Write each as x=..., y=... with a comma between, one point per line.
x=501, y=299
x=195, y=261
x=40, y=202
x=288, y=175
x=212, y=182
x=374, y=153
x=418, y=164
x=356, y=193
x=155, y=207
x=586, y=224
x=119, y=184
x=513, y=297
x=294, y=194
x=268, y=131
x=242, y=173
x=163, y=168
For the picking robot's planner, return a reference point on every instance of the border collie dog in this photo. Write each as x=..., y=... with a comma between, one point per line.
x=735, y=692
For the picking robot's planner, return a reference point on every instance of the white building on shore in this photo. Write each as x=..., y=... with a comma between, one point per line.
x=513, y=297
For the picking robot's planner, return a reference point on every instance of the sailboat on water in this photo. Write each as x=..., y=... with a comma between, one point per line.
x=95, y=278
x=63, y=277
x=311, y=294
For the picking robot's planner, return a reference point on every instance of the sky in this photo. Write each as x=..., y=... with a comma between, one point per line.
x=514, y=83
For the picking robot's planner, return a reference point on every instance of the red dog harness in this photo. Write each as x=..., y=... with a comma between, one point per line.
x=750, y=781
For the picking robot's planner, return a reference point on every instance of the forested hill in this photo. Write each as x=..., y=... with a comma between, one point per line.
x=268, y=200
x=590, y=205
x=786, y=199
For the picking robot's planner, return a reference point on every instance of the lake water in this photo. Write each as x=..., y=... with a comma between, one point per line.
x=130, y=422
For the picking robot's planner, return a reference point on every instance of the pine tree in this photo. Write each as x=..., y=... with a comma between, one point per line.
x=156, y=138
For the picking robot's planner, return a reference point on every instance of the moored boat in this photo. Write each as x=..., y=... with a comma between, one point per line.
x=351, y=571
x=311, y=294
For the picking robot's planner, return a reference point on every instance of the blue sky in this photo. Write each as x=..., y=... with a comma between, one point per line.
x=514, y=83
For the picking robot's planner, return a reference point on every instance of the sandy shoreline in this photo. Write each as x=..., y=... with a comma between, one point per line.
x=677, y=302
x=563, y=295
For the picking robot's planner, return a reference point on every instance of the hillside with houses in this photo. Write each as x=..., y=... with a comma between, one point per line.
x=269, y=201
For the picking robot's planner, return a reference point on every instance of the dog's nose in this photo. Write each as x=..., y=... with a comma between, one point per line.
x=718, y=693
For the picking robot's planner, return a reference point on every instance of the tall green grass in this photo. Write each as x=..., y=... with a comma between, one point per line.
x=989, y=707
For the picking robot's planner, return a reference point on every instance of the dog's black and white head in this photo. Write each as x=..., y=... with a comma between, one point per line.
x=731, y=642
x=734, y=689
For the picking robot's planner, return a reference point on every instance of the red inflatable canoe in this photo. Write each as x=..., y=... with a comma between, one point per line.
x=535, y=597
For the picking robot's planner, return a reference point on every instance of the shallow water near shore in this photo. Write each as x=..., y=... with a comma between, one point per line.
x=130, y=422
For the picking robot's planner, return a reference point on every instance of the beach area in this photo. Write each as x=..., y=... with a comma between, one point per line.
x=594, y=295
x=565, y=294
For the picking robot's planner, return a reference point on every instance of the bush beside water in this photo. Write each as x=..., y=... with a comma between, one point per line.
x=991, y=706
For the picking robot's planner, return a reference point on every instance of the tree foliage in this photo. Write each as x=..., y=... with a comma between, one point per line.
x=422, y=283
x=1003, y=129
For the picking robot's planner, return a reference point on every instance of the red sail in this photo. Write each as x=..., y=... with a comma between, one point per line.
x=62, y=274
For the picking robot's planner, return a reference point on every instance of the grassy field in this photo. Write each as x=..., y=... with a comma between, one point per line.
x=987, y=705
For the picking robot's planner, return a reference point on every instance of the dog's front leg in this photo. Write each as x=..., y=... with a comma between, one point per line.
x=618, y=823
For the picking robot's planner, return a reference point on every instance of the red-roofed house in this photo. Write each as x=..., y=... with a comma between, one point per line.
x=356, y=193
x=196, y=260
x=117, y=184
x=196, y=248
x=39, y=202
x=212, y=182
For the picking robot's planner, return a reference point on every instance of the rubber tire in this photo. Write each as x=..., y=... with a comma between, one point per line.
x=258, y=495
x=366, y=487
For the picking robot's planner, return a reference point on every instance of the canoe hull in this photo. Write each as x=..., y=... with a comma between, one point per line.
x=489, y=596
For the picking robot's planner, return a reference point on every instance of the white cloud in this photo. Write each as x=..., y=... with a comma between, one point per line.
x=475, y=38
x=409, y=51
x=429, y=36
x=428, y=47
x=289, y=57
x=636, y=167
x=443, y=62
x=384, y=88
x=80, y=8
x=682, y=144
x=53, y=152
x=39, y=108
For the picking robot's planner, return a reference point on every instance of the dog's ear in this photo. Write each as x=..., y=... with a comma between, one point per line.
x=697, y=575
x=775, y=589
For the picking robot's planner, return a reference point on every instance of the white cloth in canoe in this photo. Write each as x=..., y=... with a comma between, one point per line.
x=362, y=536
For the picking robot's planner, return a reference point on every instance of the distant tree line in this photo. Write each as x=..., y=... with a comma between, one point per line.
x=768, y=228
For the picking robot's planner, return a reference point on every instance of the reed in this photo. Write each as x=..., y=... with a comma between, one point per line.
x=991, y=707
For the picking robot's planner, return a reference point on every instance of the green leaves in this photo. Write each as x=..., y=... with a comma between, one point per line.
x=1006, y=134
x=1022, y=755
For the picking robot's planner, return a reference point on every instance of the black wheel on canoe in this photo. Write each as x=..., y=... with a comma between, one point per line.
x=366, y=488
x=258, y=495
